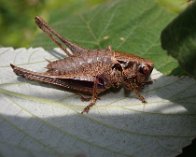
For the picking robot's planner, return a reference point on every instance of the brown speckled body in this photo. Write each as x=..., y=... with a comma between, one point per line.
x=91, y=71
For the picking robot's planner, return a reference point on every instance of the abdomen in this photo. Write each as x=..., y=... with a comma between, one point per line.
x=85, y=64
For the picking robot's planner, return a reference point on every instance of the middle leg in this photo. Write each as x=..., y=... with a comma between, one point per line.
x=93, y=98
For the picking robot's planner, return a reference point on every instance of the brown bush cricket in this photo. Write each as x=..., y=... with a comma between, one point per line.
x=90, y=71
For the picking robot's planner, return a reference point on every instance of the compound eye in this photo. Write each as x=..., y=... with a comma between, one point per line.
x=143, y=69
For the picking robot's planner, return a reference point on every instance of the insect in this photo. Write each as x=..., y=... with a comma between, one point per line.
x=90, y=72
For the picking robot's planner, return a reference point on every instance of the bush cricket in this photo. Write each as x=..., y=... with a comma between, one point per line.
x=88, y=71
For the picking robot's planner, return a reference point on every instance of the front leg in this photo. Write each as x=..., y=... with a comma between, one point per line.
x=136, y=89
x=139, y=96
x=93, y=98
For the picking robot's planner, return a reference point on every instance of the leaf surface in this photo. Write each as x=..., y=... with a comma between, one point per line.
x=37, y=120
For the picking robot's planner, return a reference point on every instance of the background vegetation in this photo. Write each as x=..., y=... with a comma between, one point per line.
x=17, y=26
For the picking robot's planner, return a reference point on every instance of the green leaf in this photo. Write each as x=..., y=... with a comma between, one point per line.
x=175, y=5
x=128, y=25
x=179, y=39
x=37, y=120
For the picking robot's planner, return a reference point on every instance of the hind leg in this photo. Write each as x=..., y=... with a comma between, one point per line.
x=58, y=39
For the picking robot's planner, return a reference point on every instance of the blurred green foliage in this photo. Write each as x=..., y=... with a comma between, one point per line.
x=16, y=21
x=17, y=26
